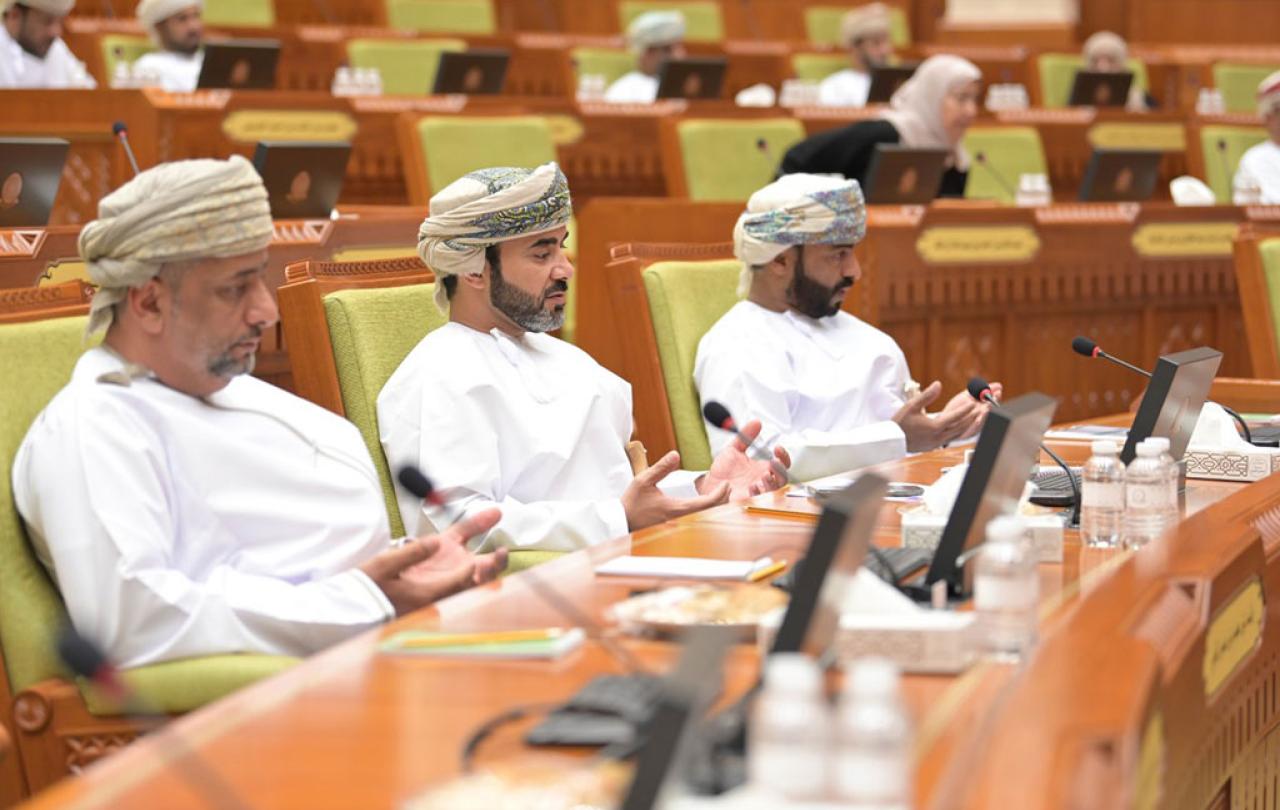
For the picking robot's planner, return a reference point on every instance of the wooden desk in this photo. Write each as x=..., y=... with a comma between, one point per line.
x=1112, y=703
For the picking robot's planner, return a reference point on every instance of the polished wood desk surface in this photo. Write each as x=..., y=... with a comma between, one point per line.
x=353, y=727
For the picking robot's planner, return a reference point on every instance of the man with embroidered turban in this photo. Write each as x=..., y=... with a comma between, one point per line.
x=177, y=28
x=183, y=507
x=32, y=53
x=655, y=37
x=832, y=389
x=1260, y=166
x=499, y=413
x=865, y=33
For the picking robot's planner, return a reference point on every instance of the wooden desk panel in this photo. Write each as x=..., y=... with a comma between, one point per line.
x=1069, y=729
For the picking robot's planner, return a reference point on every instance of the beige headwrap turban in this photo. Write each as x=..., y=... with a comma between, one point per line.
x=1269, y=95
x=175, y=212
x=655, y=28
x=864, y=21
x=153, y=12
x=1105, y=43
x=916, y=108
x=797, y=209
x=484, y=208
x=58, y=8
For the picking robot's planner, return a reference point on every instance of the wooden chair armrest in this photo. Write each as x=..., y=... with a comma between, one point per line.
x=1253, y=396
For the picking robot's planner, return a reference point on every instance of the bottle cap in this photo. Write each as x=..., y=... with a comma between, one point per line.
x=792, y=673
x=872, y=676
x=1104, y=447
x=1006, y=528
x=1148, y=450
x=1160, y=442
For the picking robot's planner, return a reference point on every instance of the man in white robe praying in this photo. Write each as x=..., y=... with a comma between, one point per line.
x=654, y=37
x=183, y=507
x=177, y=28
x=32, y=53
x=831, y=388
x=865, y=32
x=500, y=413
x=1258, y=175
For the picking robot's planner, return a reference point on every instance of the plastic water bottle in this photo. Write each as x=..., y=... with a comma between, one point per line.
x=1146, y=494
x=1102, y=497
x=1172, y=480
x=789, y=731
x=1007, y=589
x=871, y=769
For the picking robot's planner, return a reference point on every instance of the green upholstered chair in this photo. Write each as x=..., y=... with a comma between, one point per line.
x=122, y=47
x=685, y=300
x=814, y=67
x=1216, y=165
x=703, y=22
x=1058, y=72
x=442, y=16
x=1238, y=84
x=36, y=359
x=243, y=13
x=407, y=67
x=723, y=160
x=372, y=331
x=823, y=25
x=1010, y=151
x=1269, y=250
x=611, y=63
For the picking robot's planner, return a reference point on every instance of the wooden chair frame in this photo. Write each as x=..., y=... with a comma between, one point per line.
x=306, y=330
x=51, y=731
x=1255, y=300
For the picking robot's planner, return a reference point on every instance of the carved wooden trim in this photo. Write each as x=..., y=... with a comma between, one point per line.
x=1065, y=115
x=301, y=231
x=1263, y=213
x=651, y=252
x=906, y=215
x=85, y=749
x=391, y=104
x=21, y=242
x=29, y=300
x=302, y=271
x=31, y=712
x=1088, y=213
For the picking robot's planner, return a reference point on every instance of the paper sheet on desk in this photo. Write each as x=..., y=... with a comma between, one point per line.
x=1088, y=433
x=682, y=567
x=835, y=483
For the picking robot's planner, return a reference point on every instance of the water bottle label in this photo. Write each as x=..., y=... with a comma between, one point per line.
x=872, y=777
x=1005, y=593
x=1147, y=496
x=1098, y=495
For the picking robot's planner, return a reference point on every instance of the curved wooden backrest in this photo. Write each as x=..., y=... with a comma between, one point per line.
x=1255, y=299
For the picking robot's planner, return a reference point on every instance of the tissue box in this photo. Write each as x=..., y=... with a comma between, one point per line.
x=931, y=641
x=1253, y=464
x=923, y=530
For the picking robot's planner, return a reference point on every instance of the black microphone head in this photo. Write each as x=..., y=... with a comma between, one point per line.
x=118, y=127
x=412, y=479
x=1085, y=346
x=1222, y=144
x=717, y=414
x=979, y=389
x=79, y=654
x=762, y=144
x=981, y=157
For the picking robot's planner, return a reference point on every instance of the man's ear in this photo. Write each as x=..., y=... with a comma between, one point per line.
x=476, y=282
x=783, y=265
x=148, y=306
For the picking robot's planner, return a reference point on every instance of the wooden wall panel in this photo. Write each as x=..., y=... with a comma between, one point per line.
x=1204, y=21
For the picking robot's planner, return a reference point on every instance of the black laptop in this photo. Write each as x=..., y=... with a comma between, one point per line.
x=239, y=64
x=900, y=175
x=303, y=179
x=473, y=72
x=1121, y=175
x=885, y=81
x=30, y=173
x=1092, y=88
x=692, y=78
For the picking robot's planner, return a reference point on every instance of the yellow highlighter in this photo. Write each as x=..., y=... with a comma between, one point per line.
x=495, y=637
x=767, y=571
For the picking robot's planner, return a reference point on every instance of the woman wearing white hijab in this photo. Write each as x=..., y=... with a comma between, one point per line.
x=932, y=110
x=1105, y=52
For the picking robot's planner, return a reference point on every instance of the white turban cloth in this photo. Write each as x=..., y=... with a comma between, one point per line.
x=864, y=21
x=58, y=8
x=1269, y=95
x=484, y=208
x=174, y=212
x=655, y=28
x=797, y=209
x=153, y=12
x=915, y=110
x=1105, y=44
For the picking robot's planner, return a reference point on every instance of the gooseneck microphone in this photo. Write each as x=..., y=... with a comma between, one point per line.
x=981, y=159
x=980, y=390
x=83, y=658
x=1227, y=176
x=1089, y=348
x=122, y=134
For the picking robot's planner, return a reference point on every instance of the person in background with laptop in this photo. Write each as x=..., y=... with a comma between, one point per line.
x=177, y=27
x=1260, y=166
x=654, y=37
x=32, y=53
x=831, y=388
x=865, y=32
x=932, y=110
x=1105, y=52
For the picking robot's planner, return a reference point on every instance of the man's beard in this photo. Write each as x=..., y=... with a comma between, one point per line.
x=225, y=365
x=808, y=297
x=527, y=311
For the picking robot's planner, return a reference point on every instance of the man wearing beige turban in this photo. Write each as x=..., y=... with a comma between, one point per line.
x=831, y=388
x=32, y=53
x=654, y=37
x=183, y=507
x=500, y=413
x=177, y=27
x=865, y=34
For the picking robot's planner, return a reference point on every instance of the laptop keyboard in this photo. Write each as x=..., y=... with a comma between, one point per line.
x=1056, y=480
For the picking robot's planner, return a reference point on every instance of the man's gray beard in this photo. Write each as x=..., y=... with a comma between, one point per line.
x=225, y=365
x=523, y=309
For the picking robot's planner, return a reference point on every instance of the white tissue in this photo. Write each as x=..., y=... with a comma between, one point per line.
x=1188, y=190
x=1216, y=430
x=757, y=95
x=941, y=496
x=867, y=593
